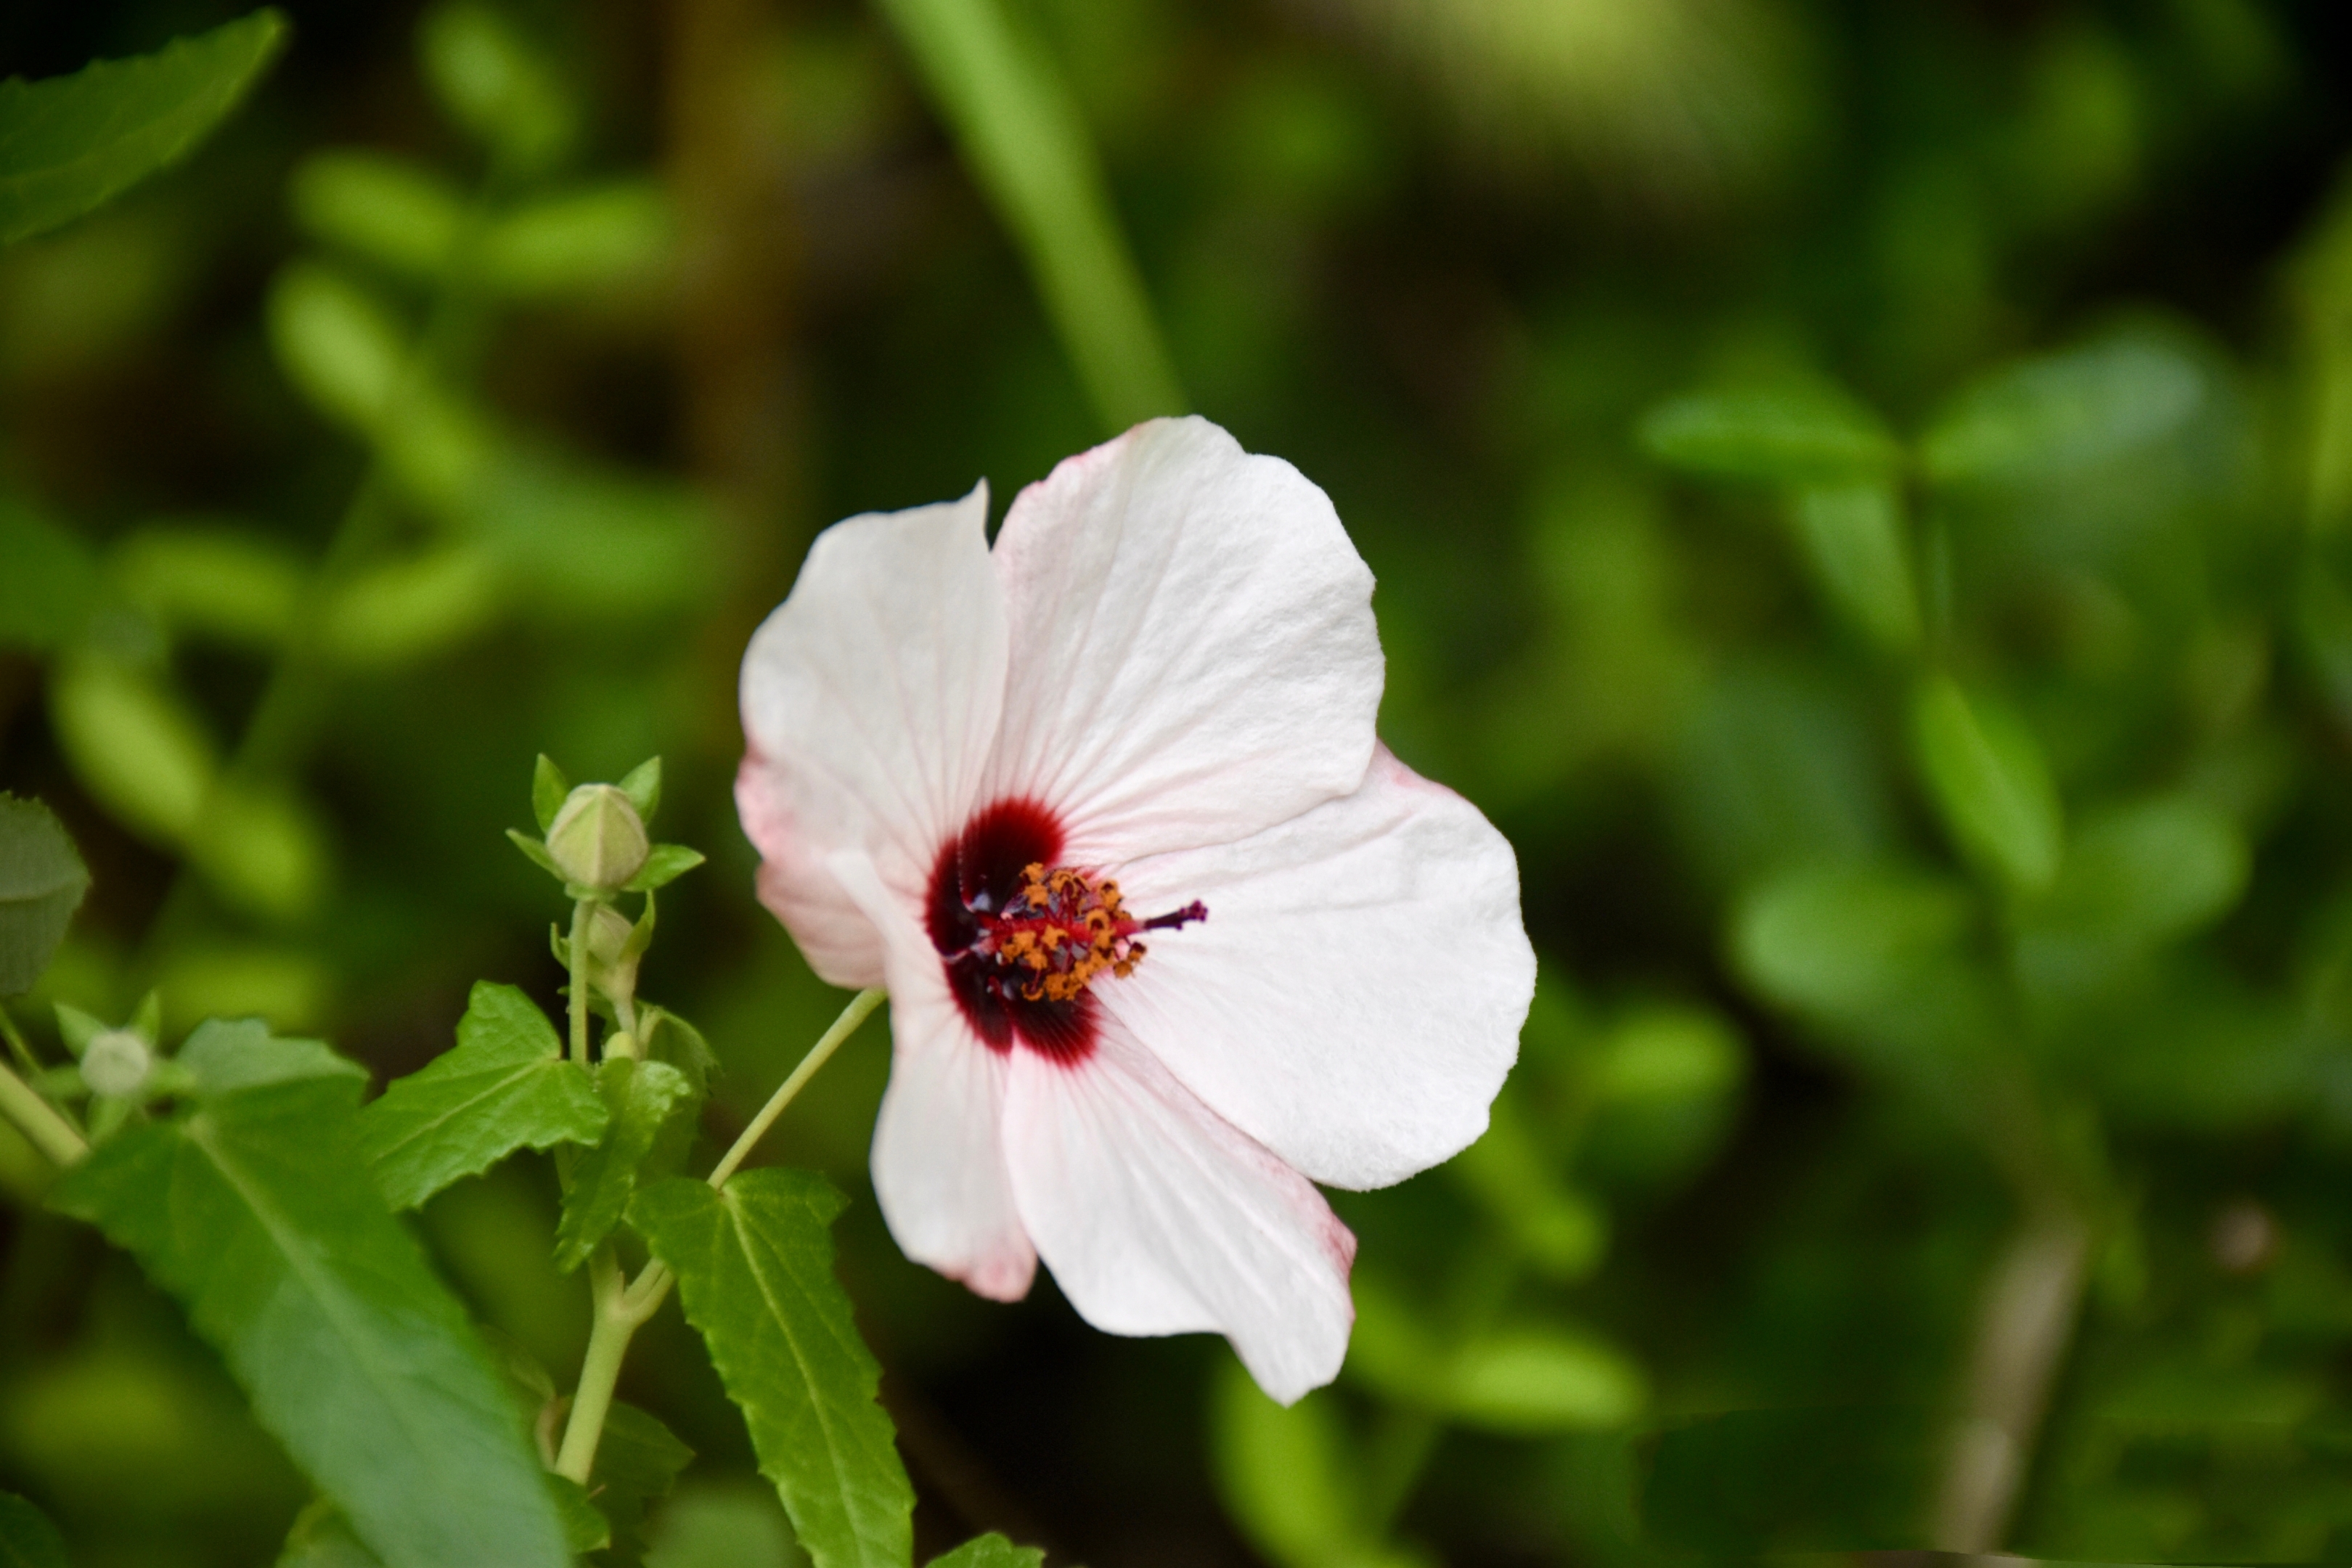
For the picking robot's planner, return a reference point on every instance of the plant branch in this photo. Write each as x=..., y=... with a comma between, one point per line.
x=2030, y=1308
x=860, y=1005
x=622, y=1308
x=583, y=920
x=39, y=1121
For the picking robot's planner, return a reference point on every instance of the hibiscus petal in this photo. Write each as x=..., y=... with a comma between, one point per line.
x=1193, y=655
x=1354, y=998
x=939, y=1146
x=1159, y=1217
x=870, y=698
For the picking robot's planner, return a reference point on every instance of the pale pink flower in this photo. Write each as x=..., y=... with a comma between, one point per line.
x=990, y=779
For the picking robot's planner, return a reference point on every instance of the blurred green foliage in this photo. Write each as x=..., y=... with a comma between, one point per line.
x=1862, y=495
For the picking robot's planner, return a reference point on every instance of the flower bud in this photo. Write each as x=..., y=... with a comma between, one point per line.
x=116, y=1062
x=598, y=840
x=611, y=964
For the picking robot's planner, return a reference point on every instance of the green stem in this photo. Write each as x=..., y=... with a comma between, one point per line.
x=583, y=917
x=621, y=1310
x=39, y=1121
x=18, y=1046
x=860, y=1005
x=619, y=1317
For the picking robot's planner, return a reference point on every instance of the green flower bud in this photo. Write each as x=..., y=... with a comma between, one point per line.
x=598, y=840
x=612, y=957
x=116, y=1062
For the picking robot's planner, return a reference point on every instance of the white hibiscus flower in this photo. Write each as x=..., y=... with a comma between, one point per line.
x=1169, y=936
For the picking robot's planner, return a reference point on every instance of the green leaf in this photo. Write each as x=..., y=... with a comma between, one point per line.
x=498, y=84
x=990, y=1551
x=135, y=745
x=584, y=1528
x=28, y=1539
x=1289, y=1479
x=664, y=864
x=51, y=582
x=548, y=789
x=71, y=144
x=536, y=853
x=1986, y=773
x=42, y=880
x=643, y=786
x=411, y=608
x=217, y=582
x=2147, y=873
x=223, y=1057
x=322, y=1538
x=1511, y=1171
x=579, y=240
x=640, y=1097
x=338, y=342
x=637, y=1461
x=1026, y=142
x=755, y=1267
x=254, y=1213
x=670, y=1039
x=1539, y=1380
x=505, y=1086
x=1794, y=437
x=2063, y=413
x=394, y=211
x=1839, y=940
x=1853, y=539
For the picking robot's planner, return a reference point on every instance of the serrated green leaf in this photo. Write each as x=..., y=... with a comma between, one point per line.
x=1796, y=436
x=51, y=582
x=755, y=1267
x=505, y=1086
x=42, y=880
x=670, y=1039
x=664, y=864
x=254, y=1213
x=223, y=1057
x=69, y=144
x=1985, y=770
x=643, y=785
x=548, y=789
x=989, y=1551
x=640, y=1097
x=637, y=1461
x=28, y=1539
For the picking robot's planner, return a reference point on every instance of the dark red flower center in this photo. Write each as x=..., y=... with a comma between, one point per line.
x=1023, y=937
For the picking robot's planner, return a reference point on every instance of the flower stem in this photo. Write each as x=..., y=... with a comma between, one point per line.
x=583, y=917
x=860, y=1005
x=39, y=1121
x=625, y=1306
x=619, y=1317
